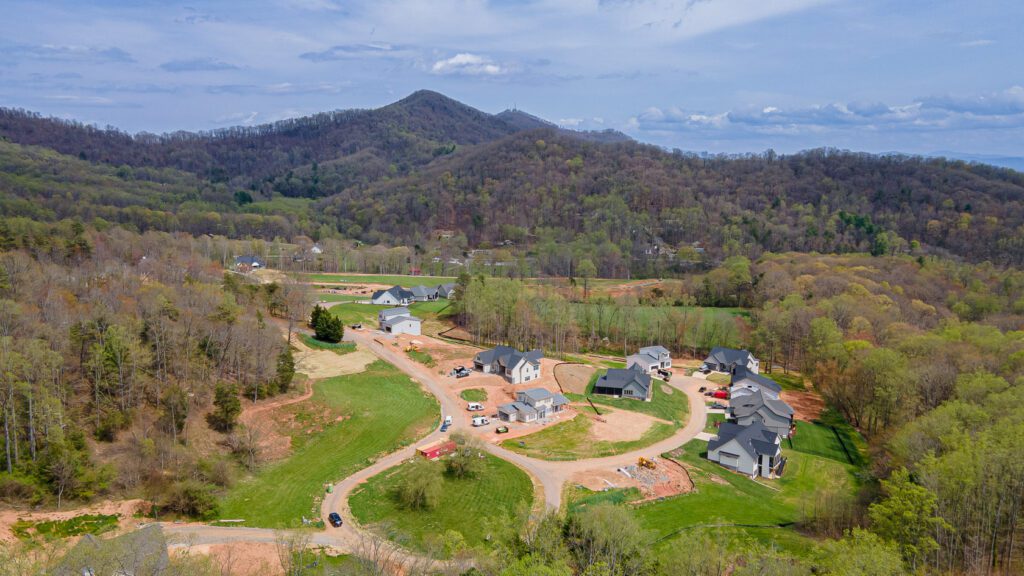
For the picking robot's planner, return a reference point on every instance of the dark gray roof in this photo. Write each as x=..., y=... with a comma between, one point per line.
x=397, y=291
x=422, y=291
x=749, y=403
x=517, y=407
x=729, y=356
x=507, y=356
x=249, y=260
x=742, y=374
x=618, y=378
x=753, y=439
x=446, y=288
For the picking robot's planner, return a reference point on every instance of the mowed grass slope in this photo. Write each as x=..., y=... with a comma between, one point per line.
x=473, y=507
x=571, y=440
x=671, y=407
x=355, y=313
x=724, y=497
x=381, y=410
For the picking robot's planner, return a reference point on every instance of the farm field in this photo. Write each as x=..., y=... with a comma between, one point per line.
x=723, y=497
x=391, y=279
x=672, y=407
x=571, y=440
x=278, y=496
x=474, y=507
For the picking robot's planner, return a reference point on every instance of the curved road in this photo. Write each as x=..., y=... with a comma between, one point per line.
x=550, y=475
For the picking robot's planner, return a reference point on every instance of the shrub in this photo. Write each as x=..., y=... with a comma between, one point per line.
x=421, y=488
x=190, y=498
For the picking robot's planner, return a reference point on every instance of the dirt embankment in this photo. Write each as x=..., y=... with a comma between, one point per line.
x=124, y=509
x=807, y=406
x=573, y=378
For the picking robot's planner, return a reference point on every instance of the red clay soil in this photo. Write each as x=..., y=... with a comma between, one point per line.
x=807, y=406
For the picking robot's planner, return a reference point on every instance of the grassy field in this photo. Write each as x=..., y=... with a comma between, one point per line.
x=354, y=313
x=723, y=497
x=324, y=297
x=392, y=280
x=279, y=495
x=791, y=381
x=474, y=395
x=470, y=506
x=422, y=357
x=832, y=438
x=672, y=407
x=428, y=310
x=339, y=347
x=570, y=441
x=57, y=529
x=719, y=379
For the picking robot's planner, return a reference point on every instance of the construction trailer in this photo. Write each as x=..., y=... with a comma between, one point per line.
x=436, y=449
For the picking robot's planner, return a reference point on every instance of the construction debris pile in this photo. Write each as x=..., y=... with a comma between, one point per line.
x=658, y=479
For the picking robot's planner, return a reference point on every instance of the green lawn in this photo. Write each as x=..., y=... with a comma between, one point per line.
x=354, y=313
x=57, y=529
x=471, y=506
x=672, y=407
x=339, y=347
x=381, y=410
x=430, y=310
x=719, y=378
x=399, y=280
x=831, y=437
x=740, y=500
x=474, y=395
x=422, y=357
x=570, y=441
x=712, y=418
x=791, y=381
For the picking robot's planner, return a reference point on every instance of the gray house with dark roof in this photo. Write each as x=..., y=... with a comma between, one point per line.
x=423, y=294
x=394, y=296
x=446, y=290
x=628, y=383
x=728, y=359
x=517, y=367
x=650, y=359
x=752, y=450
x=533, y=404
x=754, y=406
x=247, y=263
x=743, y=379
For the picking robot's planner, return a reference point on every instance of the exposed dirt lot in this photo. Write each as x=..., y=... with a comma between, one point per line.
x=324, y=363
x=266, y=276
x=240, y=558
x=619, y=425
x=350, y=289
x=668, y=478
x=602, y=479
x=574, y=378
x=807, y=406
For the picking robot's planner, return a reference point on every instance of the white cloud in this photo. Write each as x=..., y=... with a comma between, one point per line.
x=977, y=43
x=314, y=5
x=468, y=64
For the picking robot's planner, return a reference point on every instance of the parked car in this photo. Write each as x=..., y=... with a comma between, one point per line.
x=475, y=407
x=356, y=326
x=665, y=374
x=702, y=389
x=480, y=421
x=460, y=372
x=704, y=369
x=445, y=426
x=501, y=429
x=718, y=406
x=335, y=519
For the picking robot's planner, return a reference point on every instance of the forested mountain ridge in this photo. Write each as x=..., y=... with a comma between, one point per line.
x=558, y=195
x=610, y=198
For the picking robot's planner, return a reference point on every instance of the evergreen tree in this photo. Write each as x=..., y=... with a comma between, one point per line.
x=227, y=407
x=285, y=370
x=329, y=328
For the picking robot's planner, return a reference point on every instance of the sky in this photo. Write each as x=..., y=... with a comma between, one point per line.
x=719, y=76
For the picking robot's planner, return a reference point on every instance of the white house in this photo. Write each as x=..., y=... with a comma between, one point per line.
x=394, y=296
x=650, y=359
x=531, y=405
x=728, y=359
x=744, y=380
x=517, y=367
x=398, y=321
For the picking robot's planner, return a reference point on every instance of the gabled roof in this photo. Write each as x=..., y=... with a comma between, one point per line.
x=517, y=407
x=507, y=356
x=422, y=291
x=654, y=350
x=399, y=319
x=399, y=311
x=143, y=551
x=753, y=439
x=618, y=379
x=559, y=400
x=644, y=356
x=729, y=356
x=248, y=260
x=747, y=404
x=742, y=375
x=446, y=288
x=398, y=292
x=535, y=394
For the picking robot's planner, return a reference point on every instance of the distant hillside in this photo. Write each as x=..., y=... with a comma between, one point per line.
x=621, y=200
x=396, y=173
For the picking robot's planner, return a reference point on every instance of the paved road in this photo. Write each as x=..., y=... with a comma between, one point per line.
x=551, y=476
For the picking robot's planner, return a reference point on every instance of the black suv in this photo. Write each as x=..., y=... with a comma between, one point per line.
x=335, y=519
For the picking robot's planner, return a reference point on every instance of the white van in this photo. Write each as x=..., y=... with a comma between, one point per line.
x=475, y=407
x=447, y=420
x=480, y=421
